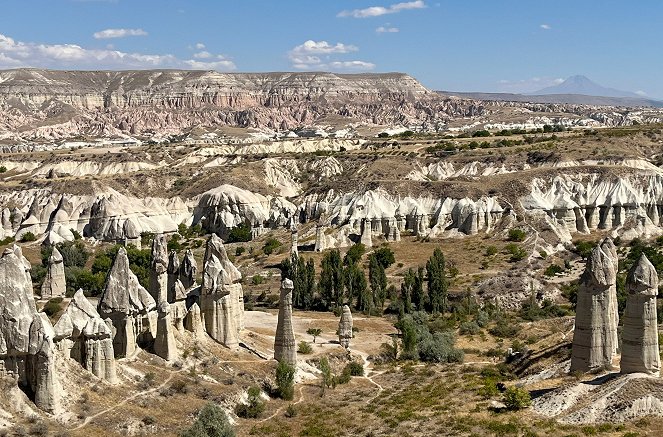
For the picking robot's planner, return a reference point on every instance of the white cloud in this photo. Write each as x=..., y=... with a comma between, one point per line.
x=200, y=46
x=71, y=56
x=545, y=26
x=376, y=11
x=641, y=93
x=202, y=55
x=387, y=29
x=118, y=33
x=317, y=55
x=527, y=85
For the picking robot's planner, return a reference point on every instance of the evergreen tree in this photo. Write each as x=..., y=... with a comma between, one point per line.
x=331, y=284
x=406, y=291
x=378, y=281
x=419, y=298
x=437, y=282
x=357, y=288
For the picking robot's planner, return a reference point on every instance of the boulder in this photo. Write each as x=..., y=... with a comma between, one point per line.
x=285, y=347
x=54, y=284
x=640, y=352
x=82, y=335
x=345, y=327
x=27, y=351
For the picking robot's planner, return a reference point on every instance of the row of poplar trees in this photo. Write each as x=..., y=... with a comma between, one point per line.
x=343, y=281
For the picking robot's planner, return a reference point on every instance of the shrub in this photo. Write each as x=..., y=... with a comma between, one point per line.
x=516, y=398
x=3, y=169
x=355, y=369
x=553, y=269
x=354, y=254
x=584, y=248
x=28, y=236
x=240, y=234
x=470, y=328
x=270, y=246
x=255, y=406
x=285, y=381
x=439, y=348
x=517, y=235
x=304, y=348
x=505, y=329
x=517, y=252
x=385, y=256
x=491, y=250
x=290, y=411
x=240, y=250
x=257, y=280
x=53, y=306
x=212, y=421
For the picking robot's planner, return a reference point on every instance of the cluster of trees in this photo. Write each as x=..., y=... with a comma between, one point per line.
x=434, y=299
x=342, y=280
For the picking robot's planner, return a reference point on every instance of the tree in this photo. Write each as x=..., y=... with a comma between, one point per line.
x=407, y=288
x=28, y=236
x=240, y=233
x=212, y=421
x=331, y=284
x=516, y=398
x=437, y=282
x=385, y=256
x=419, y=298
x=285, y=380
x=254, y=406
x=302, y=275
x=327, y=377
x=356, y=287
x=354, y=254
x=408, y=337
x=314, y=332
x=378, y=280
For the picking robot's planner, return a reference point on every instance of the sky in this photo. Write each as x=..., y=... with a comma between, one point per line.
x=456, y=45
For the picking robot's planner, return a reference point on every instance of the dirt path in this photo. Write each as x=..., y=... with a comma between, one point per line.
x=125, y=400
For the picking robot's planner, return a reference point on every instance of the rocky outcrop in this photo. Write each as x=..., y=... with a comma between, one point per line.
x=595, y=326
x=345, y=327
x=193, y=321
x=159, y=269
x=82, y=335
x=129, y=307
x=173, y=271
x=294, y=240
x=366, y=237
x=188, y=270
x=221, y=295
x=285, y=347
x=164, y=343
x=54, y=284
x=27, y=352
x=640, y=352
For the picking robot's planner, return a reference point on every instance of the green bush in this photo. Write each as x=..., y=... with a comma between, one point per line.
x=553, y=269
x=471, y=328
x=517, y=253
x=354, y=254
x=270, y=246
x=505, y=329
x=28, y=236
x=439, y=348
x=257, y=279
x=240, y=234
x=355, y=369
x=385, y=256
x=285, y=381
x=304, y=348
x=255, y=406
x=516, y=398
x=3, y=169
x=53, y=306
x=517, y=235
x=212, y=421
x=584, y=248
x=240, y=250
x=491, y=250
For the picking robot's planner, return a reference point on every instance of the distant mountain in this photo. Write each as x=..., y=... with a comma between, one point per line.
x=574, y=99
x=582, y=85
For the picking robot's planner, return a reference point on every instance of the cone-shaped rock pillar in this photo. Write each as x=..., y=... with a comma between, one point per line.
x=285, y=347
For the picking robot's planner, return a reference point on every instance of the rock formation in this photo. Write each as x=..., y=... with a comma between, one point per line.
x=320, y=240
x=594, y=334
x=27, y=352
x=345, y=327
x=294, y=240
x=221, y=295
x=640, y=352
x=129, y=307
x=82, y=335
x=188, y=270
x=173, y=275
x=608, y=246
x=164, y=343
x=54, y=284
x=159, y=269
x=193, y=321
x=285, y=347
x=366, y=233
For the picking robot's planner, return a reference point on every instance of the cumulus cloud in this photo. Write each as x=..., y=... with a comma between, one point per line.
x=316, y=55
x=641, y=93
x=200, y=46
x=527, y=85
x=387, y=29
x=118, y=33
x=376, y=11
x=202, y=55
x=15, y=54
x=545, y=26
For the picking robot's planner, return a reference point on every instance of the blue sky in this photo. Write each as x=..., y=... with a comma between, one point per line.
x=481, y=45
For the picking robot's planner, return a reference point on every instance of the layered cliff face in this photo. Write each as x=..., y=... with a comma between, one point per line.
x=57, y=104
